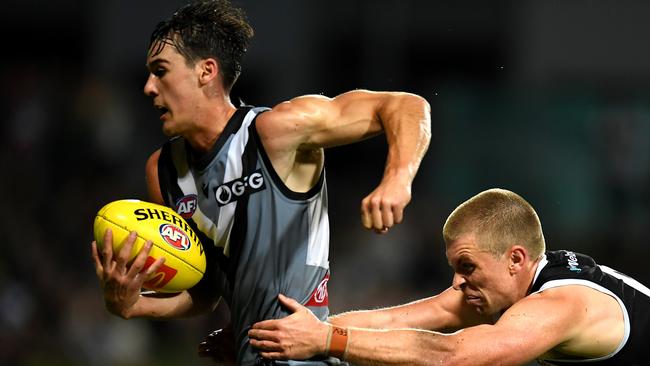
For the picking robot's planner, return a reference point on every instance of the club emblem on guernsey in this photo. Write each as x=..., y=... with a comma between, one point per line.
x=186, y=205
x=319, y=296
x=174, y=237
x=238, y=188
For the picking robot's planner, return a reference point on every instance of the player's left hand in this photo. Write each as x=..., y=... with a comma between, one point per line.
x=384, y=207
x=120, y=279
x=298, y=336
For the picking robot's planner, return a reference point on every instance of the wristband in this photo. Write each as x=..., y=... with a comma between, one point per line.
x=337, y=342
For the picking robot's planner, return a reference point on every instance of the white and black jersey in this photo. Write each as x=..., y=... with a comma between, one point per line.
x=261, y=238
x=563, y=268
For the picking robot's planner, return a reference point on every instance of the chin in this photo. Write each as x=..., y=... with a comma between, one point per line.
x=168, y=130
x=486, y=310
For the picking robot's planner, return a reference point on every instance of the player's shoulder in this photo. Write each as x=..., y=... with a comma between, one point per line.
x=291, y=116
x=297, y=107
x=570, y=298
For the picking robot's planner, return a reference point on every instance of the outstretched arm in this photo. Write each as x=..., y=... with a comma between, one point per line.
x=446, y=311
x=526, y=331
x=313, y=122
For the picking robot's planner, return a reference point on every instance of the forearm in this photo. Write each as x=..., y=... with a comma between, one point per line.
x=162, y=306
x=406, y=121
x=442, y=312
x=398, y=347
x=373, y=319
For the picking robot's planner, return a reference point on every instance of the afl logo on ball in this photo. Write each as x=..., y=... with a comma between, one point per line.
x=186, y=206
x=175, y=237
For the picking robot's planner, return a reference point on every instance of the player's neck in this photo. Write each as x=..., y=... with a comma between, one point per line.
x=210, y=122
x=532, y=272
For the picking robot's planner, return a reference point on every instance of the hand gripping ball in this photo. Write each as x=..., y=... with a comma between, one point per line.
x=170, y=234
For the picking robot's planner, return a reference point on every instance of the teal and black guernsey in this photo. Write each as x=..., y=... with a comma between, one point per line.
x=261, y=238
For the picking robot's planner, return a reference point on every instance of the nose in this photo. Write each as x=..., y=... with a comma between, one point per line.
x=458, y=282
x=150, y=89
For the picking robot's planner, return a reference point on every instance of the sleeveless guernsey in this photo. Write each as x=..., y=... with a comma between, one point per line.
x=260, y=238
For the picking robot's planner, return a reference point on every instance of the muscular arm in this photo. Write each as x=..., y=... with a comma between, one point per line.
x=569, y=321
x=306, y=124
x=443, y=312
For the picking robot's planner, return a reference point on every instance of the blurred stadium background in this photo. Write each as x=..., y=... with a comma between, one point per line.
x=550, y=99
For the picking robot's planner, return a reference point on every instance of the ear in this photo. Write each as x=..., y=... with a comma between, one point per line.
x=518, y=256
x=208, y=70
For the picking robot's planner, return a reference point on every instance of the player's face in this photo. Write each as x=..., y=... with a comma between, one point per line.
x=173, y=86
x=485, y=280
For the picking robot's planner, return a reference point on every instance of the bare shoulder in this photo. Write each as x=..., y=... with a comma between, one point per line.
x=315, y=107
x=298, y=109
x=572, y=320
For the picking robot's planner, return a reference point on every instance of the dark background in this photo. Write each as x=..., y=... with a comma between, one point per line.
x=550, y=99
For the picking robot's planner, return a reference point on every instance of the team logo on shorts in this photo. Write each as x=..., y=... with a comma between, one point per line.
x=175, y=237
x=186, y=205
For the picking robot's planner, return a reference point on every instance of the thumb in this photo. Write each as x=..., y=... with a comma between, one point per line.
x=289, y=303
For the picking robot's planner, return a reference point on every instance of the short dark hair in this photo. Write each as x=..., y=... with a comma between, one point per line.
x=204, y=29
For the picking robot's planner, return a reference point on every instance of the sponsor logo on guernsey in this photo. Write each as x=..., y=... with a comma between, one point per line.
x=175, y=237
x=186, y=205
x=235, y=189
x=319, y=296
x=572, y=261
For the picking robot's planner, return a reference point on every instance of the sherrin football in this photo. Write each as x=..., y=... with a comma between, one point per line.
x=170, y=234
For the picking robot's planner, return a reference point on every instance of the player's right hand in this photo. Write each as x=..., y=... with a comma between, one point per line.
x=384, y=207
x=121, y=281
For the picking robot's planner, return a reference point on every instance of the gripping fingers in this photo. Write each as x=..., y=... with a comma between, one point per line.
x=140, y=259
x=107, y=250
x=366, y=219
x=387, y=216
x=99, y=268
x=154, y=267
x=398, y=214
x=371, y=216
x=377, y=219
x=125, y=253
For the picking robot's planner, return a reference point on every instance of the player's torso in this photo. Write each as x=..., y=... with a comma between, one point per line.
x=265, y=238
x=626, y=298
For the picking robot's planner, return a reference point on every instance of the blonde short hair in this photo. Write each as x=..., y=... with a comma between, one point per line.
x=499, y=219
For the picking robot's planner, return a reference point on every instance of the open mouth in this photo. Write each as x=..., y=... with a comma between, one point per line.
x=161, y=110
